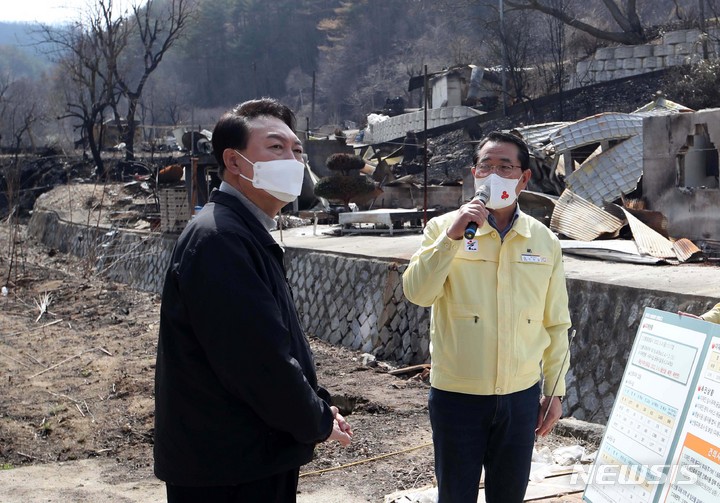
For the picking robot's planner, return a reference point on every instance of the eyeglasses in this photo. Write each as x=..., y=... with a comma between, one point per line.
x=504, y=170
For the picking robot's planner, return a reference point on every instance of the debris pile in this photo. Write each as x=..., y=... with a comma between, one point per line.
x=599, y=160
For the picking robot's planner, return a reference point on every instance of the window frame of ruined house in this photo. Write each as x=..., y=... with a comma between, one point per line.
x=710, y=149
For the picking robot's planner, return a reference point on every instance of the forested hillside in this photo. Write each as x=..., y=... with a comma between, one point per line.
x=331, y=60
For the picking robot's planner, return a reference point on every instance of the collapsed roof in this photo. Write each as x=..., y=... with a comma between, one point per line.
x=608, y=169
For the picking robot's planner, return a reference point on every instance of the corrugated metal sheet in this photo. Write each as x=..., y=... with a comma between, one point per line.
x=607, y=176
x=579, y=219
x=538, y=205
x=538, y=135
x=653, y=219
x=647, y=240
x=607, y=126
x=662, y=106
x=685, y=249
x=616, y=250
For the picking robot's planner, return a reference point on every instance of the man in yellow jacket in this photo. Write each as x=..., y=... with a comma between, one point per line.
x=499, y=321
x=713, y=315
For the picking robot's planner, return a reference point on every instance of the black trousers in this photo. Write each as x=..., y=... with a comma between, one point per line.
x=472, y=432
x=280, y=488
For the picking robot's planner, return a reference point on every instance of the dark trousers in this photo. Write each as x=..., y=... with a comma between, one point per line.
x=280, y=488
x=470, y=432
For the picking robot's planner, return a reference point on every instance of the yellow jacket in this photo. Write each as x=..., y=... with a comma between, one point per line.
x=496, y=312
x=713, y=315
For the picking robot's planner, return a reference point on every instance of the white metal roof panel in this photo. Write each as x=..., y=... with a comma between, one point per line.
x=662, y=106
x=538, y=135
x=607, y=176
x=606, y=126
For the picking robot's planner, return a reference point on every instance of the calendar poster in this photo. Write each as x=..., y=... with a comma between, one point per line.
x=637, y=460
x=696, y=477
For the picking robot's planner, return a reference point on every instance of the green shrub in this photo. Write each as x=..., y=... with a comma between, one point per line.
x=345, y=163
x=344, y=188
x=696, y=86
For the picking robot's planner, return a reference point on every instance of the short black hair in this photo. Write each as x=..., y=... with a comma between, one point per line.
x=500, y=137
x=232, y=130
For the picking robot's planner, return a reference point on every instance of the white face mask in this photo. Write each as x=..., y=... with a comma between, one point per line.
x=502, y=190
x=281, y=178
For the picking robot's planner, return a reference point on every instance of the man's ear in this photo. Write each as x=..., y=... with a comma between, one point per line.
x=232, y=161
x=525, y=178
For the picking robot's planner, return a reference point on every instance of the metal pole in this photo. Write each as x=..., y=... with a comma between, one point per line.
x=425, y=153
x=193, y=184
x=703, y=32
x=504, y=56
x=552, y=393
x=312, y=103
x=193, y=167
x=255, y=80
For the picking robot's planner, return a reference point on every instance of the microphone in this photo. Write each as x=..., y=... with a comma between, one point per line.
x=482, y=195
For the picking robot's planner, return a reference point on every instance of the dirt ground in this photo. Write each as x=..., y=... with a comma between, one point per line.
x=76, y=383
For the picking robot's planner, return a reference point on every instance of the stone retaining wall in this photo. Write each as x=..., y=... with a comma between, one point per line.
x=675, y=48
x=358, y=303
x=398, y=126
x=607, y=318
x=138, y=259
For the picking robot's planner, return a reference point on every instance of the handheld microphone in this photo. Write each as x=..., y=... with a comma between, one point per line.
x=482, y=195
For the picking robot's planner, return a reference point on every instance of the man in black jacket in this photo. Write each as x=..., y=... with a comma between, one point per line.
x=237, y=406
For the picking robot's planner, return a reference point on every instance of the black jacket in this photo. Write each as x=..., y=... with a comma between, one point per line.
x=236, y=395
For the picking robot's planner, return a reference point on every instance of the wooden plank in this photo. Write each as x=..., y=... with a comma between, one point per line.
x=550, y=489
x=409, y=370
x=554, y=487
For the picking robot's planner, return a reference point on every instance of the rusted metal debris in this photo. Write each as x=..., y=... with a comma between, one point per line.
x=607, y=166
x=579, y=219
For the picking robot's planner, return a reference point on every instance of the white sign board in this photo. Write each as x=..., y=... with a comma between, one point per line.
x=662, y=439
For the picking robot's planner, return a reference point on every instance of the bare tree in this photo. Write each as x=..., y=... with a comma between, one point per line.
x=85, y=52
x=99, y=56
x=298, y=85
x=20, y=110
x=156, y=33
x=709, y=35
x=166, y=101
x=625, y=15
x=510, y=45
x=553, y=71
